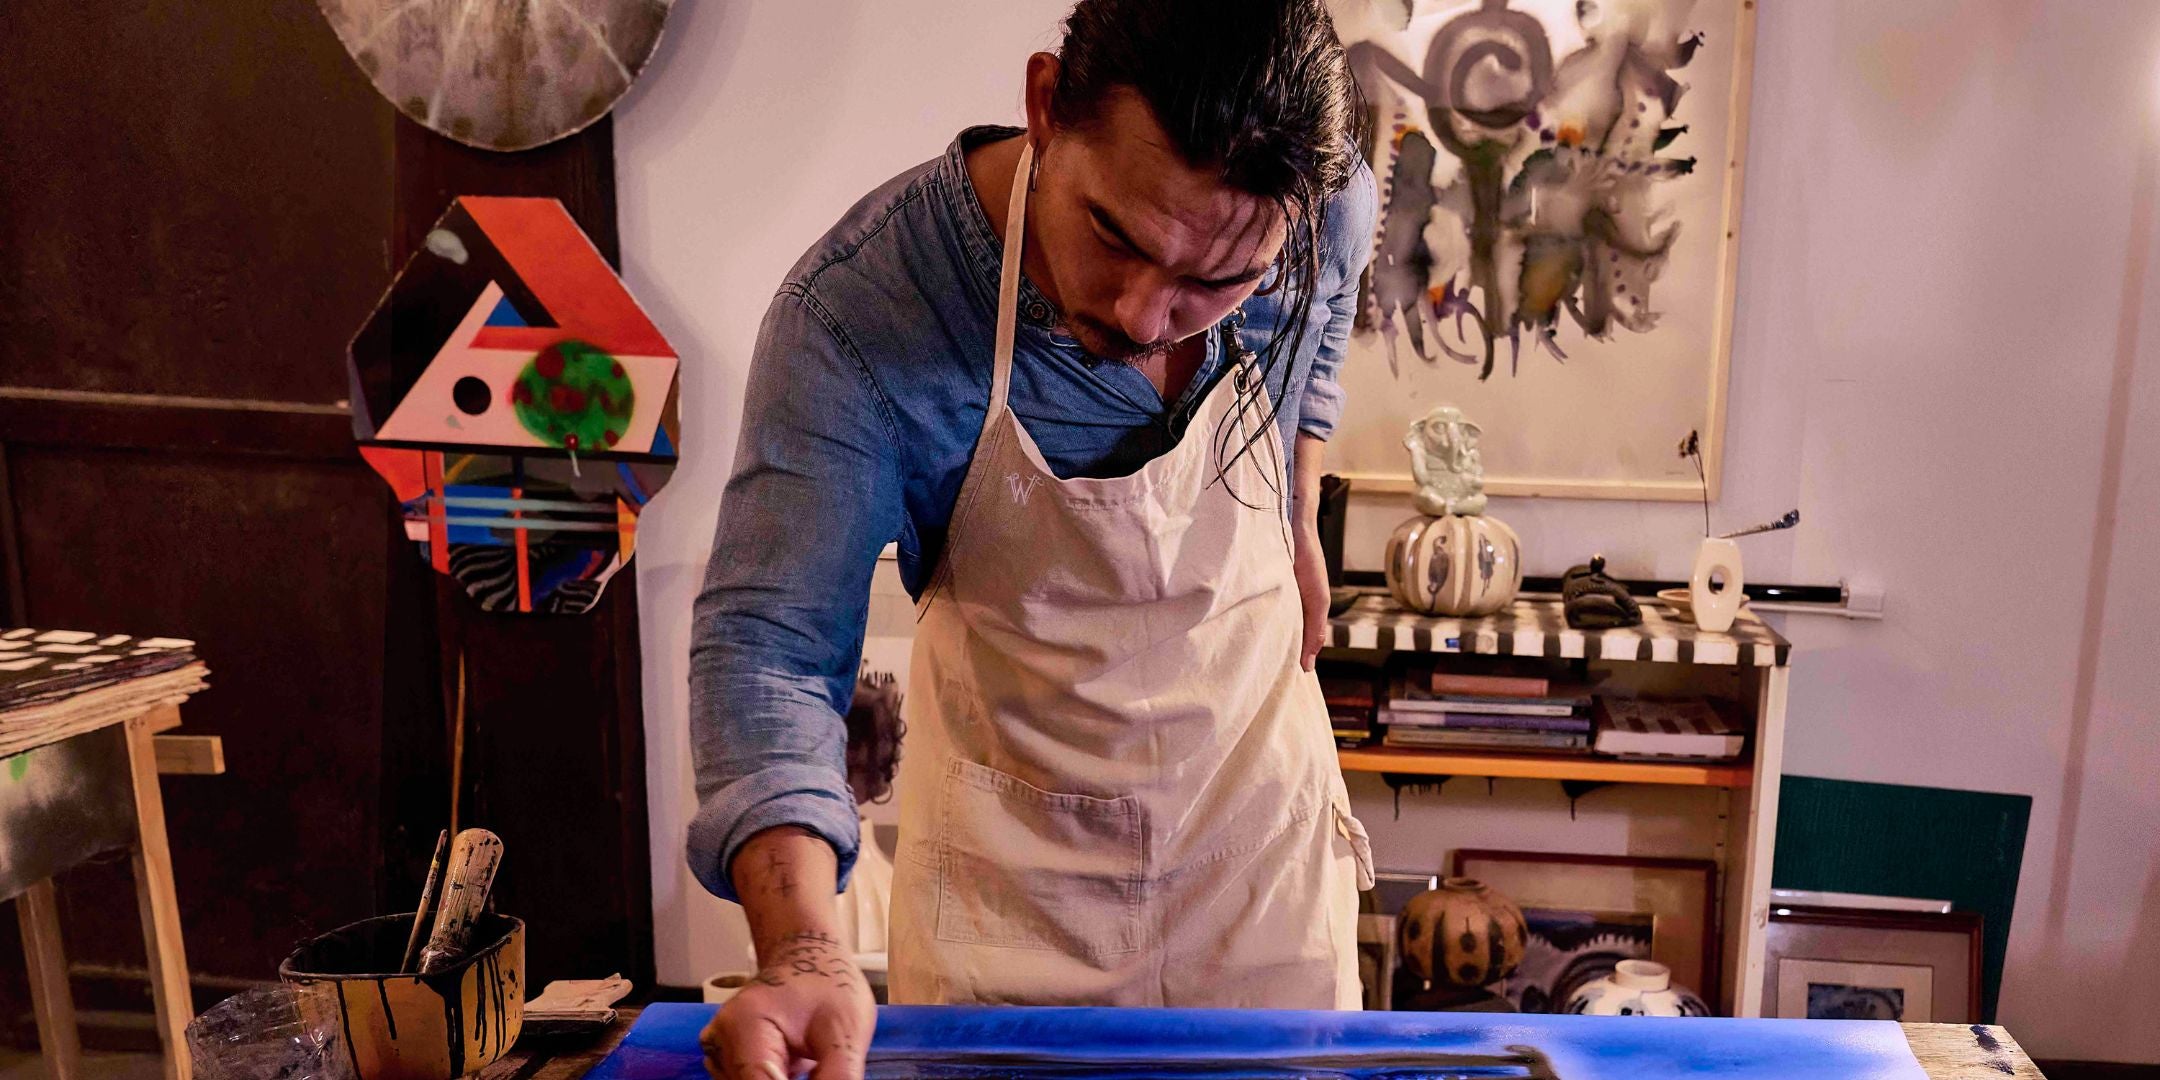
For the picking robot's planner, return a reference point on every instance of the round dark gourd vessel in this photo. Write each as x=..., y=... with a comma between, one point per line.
x=1462, y=935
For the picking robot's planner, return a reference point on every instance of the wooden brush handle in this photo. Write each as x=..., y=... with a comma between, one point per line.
x=421, y=921
x=467, y=876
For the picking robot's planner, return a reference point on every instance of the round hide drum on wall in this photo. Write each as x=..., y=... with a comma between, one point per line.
x=500, y=74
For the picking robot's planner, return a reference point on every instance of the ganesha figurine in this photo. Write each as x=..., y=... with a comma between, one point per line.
x=1444, y=461
x=1451, y=559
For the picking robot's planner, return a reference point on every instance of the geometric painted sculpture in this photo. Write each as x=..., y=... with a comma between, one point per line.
x=519, y=403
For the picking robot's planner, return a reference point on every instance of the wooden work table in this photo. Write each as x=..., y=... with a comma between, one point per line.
x=1946, y=1052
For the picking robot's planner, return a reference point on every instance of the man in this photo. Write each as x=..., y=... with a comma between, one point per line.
x=1067, y=369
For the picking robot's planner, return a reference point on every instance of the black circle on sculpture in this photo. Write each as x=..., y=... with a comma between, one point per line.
x=470, y=395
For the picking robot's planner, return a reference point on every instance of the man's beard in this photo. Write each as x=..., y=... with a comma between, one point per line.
x=1104, y=343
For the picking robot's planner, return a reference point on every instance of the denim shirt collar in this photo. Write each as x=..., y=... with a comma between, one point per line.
x=985, y=248
x=1037, y=316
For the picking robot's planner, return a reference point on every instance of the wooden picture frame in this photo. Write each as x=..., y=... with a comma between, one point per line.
x=1680, y=893
x=1800, y=940
x=1627, y=397
x=1377, y=960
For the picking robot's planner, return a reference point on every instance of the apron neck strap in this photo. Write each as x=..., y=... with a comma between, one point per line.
x=1009, y=279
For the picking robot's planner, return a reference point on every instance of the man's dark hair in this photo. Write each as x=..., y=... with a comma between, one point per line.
x=1257, y=89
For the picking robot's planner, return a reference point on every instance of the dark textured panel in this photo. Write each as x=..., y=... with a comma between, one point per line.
x=1891, y=840
x=185, y=425
x=207, y=210
x=277, y=570
x=554, y=754
x=432, y=170
x=555, y=765
x=196, y=198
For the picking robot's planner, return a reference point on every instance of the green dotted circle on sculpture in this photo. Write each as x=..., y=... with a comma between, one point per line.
x=574, y=396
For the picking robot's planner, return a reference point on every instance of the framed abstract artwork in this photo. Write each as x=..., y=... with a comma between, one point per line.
x=1557, y=240
x=1832, y=990
x=1839, y=964
x=1380, y=911
x=1377, y=960
x=1677, y=896
x=1568, y=950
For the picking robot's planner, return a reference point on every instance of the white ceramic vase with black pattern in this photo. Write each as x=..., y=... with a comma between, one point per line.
x=1459, y=565
x=1636, y=988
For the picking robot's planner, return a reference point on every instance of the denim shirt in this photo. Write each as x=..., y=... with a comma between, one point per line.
x=867, y=390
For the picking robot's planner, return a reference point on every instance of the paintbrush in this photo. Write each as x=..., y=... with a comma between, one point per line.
x=1791, y=518
x=468, y=875
x=427, y=901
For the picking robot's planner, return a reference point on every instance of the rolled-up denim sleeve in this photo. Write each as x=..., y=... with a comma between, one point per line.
x=1348, y=249
x=778, y=626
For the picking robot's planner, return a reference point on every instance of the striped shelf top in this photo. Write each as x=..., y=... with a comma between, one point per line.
x=1538, y=628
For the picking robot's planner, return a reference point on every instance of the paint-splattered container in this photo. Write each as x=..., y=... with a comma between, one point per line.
x=414, y=1027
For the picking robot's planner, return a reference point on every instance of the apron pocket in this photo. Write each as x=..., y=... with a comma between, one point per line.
x=1027, y=868
x=1353, y=831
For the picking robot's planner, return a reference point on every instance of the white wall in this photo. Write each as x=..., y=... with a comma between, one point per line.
x=1935, y=241
x=756, y=125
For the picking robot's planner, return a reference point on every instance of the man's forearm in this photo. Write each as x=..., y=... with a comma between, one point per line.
x=1305, y=484
x=787, y=878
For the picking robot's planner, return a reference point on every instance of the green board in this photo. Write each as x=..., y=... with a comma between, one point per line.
x=1891, y=840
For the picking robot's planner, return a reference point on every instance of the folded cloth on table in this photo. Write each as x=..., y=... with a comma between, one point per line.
x=578, y=999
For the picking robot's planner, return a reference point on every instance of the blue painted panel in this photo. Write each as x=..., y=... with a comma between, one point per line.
x=980, y=1043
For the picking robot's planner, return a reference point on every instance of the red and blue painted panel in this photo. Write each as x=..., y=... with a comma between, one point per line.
x=520, y=404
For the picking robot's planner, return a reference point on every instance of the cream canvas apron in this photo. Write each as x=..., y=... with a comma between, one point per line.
x=1119, y=787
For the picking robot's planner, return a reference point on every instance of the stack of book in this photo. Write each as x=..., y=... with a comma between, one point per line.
x=1486, y=712
x=1690, y=728
x=1352, y=701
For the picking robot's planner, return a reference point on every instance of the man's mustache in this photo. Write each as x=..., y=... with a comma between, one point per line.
x=1113, y=345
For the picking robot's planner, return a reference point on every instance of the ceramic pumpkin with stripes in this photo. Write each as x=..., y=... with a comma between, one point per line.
x=1455, y=565
x=1463, y=935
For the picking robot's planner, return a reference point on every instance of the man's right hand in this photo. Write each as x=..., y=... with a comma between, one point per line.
x=809, y=1009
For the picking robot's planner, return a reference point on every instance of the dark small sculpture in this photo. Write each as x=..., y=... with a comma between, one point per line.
x=1594, y=601
x=874, y=730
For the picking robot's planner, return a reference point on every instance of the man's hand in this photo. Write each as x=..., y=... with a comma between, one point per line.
x=808, y=1010
x=1310, y=565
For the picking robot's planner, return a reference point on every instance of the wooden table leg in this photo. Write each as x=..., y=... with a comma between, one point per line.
x=39, y=912
x=159, y=907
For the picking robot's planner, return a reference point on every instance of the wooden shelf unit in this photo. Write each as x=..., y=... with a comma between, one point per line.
x=1390, y=759
x=1666, y=654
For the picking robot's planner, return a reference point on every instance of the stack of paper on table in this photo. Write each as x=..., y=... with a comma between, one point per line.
x=55, y=684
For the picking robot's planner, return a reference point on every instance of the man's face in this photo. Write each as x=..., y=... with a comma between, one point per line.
x=1142, y=249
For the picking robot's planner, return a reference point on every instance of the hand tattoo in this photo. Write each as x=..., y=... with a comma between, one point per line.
x=807, y=954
